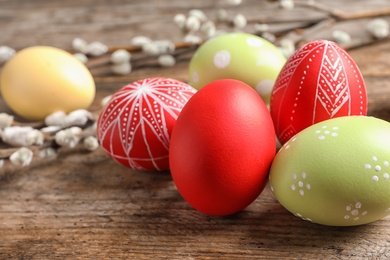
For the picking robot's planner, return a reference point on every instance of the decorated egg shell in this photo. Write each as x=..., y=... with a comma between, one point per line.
x=241, y=56
x=40, y=80
x=336, y=172
x=320, y=81
x=134, y=128
x=221, y=148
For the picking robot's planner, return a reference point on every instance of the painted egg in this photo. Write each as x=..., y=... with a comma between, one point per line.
x=135, y=126
x=244, y=57
x=41, y=80
x=336, y=172
x=320, y=81
x=222, y=146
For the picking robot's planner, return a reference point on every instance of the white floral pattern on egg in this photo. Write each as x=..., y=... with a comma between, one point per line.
x=336, y=172
x=379, y=170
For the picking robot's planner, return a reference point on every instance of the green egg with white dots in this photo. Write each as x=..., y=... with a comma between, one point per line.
x=336, y=172
x=241, y=56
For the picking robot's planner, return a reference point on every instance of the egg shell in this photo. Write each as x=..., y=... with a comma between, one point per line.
x=319, y=82
x=40, y=80
x=336, y=172
x=222, y=147
x=241, y=56
x=135, y=126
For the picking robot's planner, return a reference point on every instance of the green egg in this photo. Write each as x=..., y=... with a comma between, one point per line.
x=241, y=56
x=336, y=172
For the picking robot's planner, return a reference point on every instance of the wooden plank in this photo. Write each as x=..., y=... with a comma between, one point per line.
x=85, y=206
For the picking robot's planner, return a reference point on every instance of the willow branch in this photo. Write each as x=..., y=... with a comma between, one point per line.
x=342, y=15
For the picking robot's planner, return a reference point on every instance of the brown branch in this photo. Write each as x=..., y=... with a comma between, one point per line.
x=5, y=153
x=362, y=42
x=131, y=48
x=100, y=66
x=98, y=61
x=366, y=14
x=342, y=15
x=299, y=36
x=34, y=124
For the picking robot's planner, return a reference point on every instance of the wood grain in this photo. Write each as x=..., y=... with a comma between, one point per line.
x=86, y=206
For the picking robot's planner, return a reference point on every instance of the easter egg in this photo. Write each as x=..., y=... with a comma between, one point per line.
x=336, y=172
x=135, y=126
x=320, y=81
x=40, y=80
x=221, y=148
x=241, y=56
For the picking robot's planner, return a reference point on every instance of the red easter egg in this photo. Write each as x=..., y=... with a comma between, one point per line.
x=221, y=148
x=319, y=82
x=134, y=128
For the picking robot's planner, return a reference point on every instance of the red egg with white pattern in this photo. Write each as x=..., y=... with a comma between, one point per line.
x=135, y=126
x=319, y=82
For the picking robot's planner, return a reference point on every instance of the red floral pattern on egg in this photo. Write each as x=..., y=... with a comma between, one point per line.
x=134, y=128
x=319, y=82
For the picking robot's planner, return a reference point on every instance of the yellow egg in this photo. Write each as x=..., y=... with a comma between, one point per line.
x=40, y=80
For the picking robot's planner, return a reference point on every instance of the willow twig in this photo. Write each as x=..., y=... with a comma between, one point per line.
x=132, y=48
x=364, y=42
x=299, y=36
x=342, y=15
x=5, y=153
x=100, y=66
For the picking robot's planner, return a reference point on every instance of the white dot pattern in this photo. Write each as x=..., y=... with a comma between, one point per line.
x=326, y=131
x=264, y=87
x=302, y=217
x=300, y=184
x=354, y=211
x=379, y=169
x=254, y=42
x=222, y=59
x=195, y=76
x=287, y=145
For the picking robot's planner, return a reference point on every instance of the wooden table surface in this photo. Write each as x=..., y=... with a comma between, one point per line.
x=83, y=205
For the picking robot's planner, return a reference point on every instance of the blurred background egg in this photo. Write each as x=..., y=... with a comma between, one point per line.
x=244, y=57
x=135, y=126
x=318, y=82
x=221, y=148
x=336, y=172
x=40, y=80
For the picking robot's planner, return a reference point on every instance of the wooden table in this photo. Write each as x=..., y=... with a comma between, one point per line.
x=86, y=206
